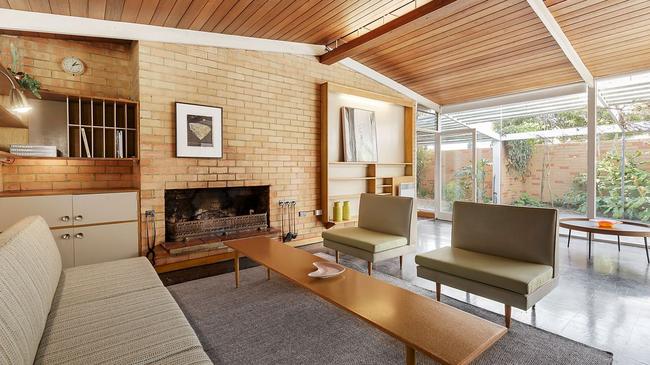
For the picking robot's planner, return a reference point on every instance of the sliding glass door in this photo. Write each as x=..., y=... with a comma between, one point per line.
x=456, y=169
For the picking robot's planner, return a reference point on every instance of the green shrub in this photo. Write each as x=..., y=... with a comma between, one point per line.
x=636, y=205
x=526, y=200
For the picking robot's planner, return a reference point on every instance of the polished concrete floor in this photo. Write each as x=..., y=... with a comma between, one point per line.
x=604, y=303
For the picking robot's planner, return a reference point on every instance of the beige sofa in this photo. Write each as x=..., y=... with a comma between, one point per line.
x=383, y=231
x=504, y=253
x=110, y=313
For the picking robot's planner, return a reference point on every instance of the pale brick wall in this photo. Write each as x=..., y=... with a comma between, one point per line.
x=109, y=73
x=271, y=105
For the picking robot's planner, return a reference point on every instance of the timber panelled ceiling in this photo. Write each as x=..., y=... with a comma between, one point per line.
x=611, y=36
x=463, y=51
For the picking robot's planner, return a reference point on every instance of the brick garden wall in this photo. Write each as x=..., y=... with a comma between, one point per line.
x=271, y=119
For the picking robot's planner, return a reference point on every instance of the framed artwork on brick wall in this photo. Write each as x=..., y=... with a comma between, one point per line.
x=199, y=131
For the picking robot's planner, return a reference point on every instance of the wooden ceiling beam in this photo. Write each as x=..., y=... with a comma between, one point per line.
x=395, y=28
x=556, y=31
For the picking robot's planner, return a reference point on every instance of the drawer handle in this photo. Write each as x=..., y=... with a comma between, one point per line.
x=78, y=217
x=65, y=218
x=79, y=235
x=66, y=236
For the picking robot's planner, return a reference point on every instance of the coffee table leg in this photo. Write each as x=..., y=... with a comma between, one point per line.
x=268, y=274
x=410, y=355
x=236, y=269
x=589, y=245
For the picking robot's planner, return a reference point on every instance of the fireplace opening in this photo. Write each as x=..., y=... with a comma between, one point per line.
x=216, y=214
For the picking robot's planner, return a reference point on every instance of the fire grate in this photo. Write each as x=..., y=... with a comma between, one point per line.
x=203, y=228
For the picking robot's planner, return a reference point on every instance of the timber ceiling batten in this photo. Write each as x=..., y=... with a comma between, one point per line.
x=481, y=49
x=611, y=36
x=305, y=21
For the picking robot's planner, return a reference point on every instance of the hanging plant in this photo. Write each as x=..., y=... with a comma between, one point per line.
x=25, y=80
x=518, y=156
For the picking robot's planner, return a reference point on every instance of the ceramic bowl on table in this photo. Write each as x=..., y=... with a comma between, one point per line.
x=604, y=223
x=326, y=269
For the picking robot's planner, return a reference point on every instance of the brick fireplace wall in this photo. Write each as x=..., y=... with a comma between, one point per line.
x=109, y=72
x=271, y=119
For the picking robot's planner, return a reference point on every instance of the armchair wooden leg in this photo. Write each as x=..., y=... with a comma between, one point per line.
x=401, y=262
x=438, y=288
x=508, y=314
x=338, y=256
x=369, y=268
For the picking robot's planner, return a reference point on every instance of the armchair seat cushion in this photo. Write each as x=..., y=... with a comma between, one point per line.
x=517, y=276
x=364, y=239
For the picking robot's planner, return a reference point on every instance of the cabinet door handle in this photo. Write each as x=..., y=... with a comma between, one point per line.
x=65, y=218
x=78, y=217
x=66, y=236
x=79, y=235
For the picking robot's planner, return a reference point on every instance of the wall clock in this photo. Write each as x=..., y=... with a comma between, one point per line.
x=73, y=65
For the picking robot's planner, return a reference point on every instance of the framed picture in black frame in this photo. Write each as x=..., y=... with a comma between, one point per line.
x=199, y=131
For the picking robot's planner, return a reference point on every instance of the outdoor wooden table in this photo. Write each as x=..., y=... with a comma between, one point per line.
x=444, y=333
x=626, y=229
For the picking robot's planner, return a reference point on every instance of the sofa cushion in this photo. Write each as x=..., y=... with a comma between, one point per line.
x=89, y=283
x=140, y=327
x=364, y=239
x=30, y=266
x=518, y=276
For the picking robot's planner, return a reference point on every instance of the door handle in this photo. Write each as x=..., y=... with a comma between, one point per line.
x=65, y=218
x=66, y=236
x=78, y=217
x=79, y=235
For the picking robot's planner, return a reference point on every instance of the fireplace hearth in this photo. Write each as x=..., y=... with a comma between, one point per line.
x=210, y=215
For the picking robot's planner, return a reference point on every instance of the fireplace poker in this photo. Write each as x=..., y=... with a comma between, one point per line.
x=289, y=236
x=150, y=221
x=294, y=233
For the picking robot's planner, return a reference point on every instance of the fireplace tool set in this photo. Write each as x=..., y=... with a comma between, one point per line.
x=150, y=223
x=290, y=207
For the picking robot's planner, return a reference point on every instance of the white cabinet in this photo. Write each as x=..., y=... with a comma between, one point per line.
x=65, y=242
x=106, y=242
x=55, y=209
x=87, y=228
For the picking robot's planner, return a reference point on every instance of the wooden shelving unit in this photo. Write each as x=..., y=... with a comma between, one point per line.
x=104, y=122
x=341, y=180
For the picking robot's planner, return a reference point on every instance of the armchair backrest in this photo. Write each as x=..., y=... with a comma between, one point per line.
x=519, y=233
x=386, y=214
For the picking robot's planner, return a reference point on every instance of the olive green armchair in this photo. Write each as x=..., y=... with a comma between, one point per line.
x=504, y=253
x=383, y=231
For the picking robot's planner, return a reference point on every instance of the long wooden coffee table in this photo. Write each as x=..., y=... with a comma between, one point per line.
x=446, y=334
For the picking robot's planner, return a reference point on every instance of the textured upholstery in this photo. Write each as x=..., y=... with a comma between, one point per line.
x=110, y=313
x=518, y=276
x=30, y=266
x=100, y=281
x=386, y=214
x=141, y=327
x=365, y=239
x=518, y=233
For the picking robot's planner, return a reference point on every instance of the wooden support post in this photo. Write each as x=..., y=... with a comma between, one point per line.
x=236, y=269
x=438, y=288
x=410, y=355
x=508, y=314
x=369, y=268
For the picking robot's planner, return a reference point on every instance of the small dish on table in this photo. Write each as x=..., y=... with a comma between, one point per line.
x=604, y=223
x=326, y=269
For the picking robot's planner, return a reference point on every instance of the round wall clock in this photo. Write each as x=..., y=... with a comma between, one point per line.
x=73, y=65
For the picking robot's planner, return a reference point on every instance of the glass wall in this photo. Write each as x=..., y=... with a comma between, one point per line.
x=539, y=148
x=426, y=125
x=623, y=149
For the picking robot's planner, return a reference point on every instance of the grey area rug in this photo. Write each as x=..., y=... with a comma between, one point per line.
x=277, y=322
